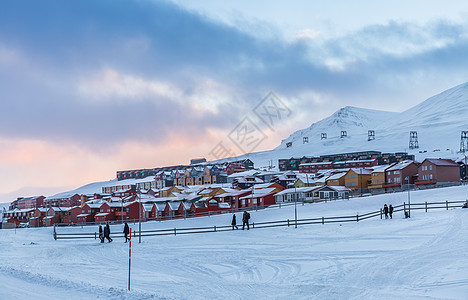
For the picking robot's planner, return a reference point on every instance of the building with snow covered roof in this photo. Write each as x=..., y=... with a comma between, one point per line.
x=357, y=179
x=313, y=194
x=436, y=170
x=337, y=179
x=27, y=202
x=62, y=200
x=259, y=197
x=378, y=177
x=401, y=173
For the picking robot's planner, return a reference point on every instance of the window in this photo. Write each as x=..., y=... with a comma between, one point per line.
x=430, y=167
x=396, y=172
x=430, y=176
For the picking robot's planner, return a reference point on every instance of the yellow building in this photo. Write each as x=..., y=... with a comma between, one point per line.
x=336, y=179
x=356, y=179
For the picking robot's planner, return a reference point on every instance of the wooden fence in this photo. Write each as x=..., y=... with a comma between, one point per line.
x=406, y=208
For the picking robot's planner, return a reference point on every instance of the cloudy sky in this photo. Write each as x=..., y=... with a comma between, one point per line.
x=91, y=87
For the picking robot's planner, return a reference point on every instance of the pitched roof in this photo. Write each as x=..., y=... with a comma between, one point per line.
x=442, y=162
x=400, y=165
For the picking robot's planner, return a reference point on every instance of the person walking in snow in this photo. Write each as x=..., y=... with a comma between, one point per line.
x=126, y=231
x=390, y=211
x=101, y=234
x=245, y=220
x=234, y=222
x=385, y=209
x=107, y=232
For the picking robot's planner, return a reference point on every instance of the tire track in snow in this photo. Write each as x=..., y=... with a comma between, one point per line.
x=85, y=288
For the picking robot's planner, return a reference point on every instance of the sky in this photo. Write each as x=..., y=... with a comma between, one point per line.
x=91, y=87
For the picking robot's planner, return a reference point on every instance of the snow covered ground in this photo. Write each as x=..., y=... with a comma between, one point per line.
x=424, y=257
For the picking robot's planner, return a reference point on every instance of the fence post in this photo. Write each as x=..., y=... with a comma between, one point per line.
x=94, y=235
x=55, y=234
x=175, y=231
x=446, y=204
x=288, y=222
x=253, y=224
x=357, y=218
x=280, y=205
x=215, y=228
x=323, y=220
x=380, y=214
x=404, y=208
x=426, y=205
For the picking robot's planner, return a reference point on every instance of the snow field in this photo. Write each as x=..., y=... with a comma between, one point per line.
x=419, y=258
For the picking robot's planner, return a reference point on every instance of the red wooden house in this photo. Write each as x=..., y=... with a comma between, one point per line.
x=87, y=213
x=260, y=197
x=133, y=211
x=53, y=216
x=184, y=208
x=233, y=198
x=199, y=208
x=159, y=210
x=172, y=209
x=149, y=211
x=106, y=213
x=38, y=217
x=69, y=216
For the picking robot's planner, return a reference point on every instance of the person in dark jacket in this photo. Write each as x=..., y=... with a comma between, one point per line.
x=385, y=209
x=107, y=232
x=101, y=234
x=245, y=220
x=234, y=222
x=126, y=231
x=390, y=211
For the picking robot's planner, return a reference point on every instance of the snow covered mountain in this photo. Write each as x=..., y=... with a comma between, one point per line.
x=438, y=121
x=353, y=120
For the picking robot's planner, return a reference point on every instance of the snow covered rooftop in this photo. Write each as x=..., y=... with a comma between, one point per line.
x=442, y=162
x=400, y=165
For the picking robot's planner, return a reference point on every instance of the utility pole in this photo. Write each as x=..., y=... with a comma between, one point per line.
x=139, y=216
x=409, y=198
x=295, y=206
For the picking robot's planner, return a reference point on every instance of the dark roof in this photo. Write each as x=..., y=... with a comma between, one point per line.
x=442, y=162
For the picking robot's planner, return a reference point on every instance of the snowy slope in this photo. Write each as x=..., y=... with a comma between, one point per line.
x=88, y=189
x=417, y=258
x=356, y=121
x=438, y=121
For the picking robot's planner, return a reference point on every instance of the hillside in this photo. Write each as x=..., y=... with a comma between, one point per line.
x=437, y=120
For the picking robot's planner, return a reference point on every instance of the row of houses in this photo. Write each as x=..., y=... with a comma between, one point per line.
x=338, y=160
x=192, y=170
x=387, y=177
x=246, y=189
x=177, y=202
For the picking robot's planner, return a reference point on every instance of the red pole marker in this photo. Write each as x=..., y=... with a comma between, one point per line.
x=129, y=257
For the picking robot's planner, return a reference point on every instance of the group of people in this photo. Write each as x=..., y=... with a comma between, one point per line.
x=388, y=210
x=245, y=221
x=105, y=233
